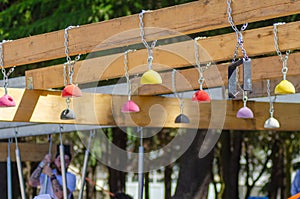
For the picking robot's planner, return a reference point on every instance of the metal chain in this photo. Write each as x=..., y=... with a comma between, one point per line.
x=201, y=69
x=142, y=34
x=230, y=19
x=5, y=75
x=65, y=74
x=69, y=62
x=283, y=58
x=236, y=51
x=68, y=101
x=271, y=110
x=71, y=71
x=177, y=95
x=174, y=83
x=238, y=81
x=66, y=43
x=129, y=91
x=238, y=33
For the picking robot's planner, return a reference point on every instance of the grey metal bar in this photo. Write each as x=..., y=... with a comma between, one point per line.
x=19, y=165
x=44, y=129
x=247, y=75
x=63, y=167
x=9, y=176
x=86, y=158
x=49, y=152
x=141, y=165
x=232, y=78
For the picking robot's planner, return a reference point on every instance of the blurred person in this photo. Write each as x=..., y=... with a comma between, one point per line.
x=54, y=189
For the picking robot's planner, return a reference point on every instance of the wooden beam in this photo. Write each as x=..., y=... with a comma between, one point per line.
x=99, y=109
x=216, y=76
x=167, y=22
x=35, y=129
x=257, y=42
x=262, y=69
x=260, y=87
x=29, y=151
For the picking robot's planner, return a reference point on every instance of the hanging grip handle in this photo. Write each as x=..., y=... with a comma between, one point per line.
x=247, y=75
x=232, y=81
x=232, y=76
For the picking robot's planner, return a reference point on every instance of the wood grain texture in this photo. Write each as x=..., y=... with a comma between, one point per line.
x=218, y=48
x=100, y=109
x=216, y=76
x=34, y=152
x=167, y=22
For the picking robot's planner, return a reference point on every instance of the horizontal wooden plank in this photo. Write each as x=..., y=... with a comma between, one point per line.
x=257, y=42
x=99, y=109
x=216, y=76
x=168, y=22
x=260, y=87
x=29, y=151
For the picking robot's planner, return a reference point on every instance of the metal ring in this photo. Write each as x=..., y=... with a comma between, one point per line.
x=284, y=70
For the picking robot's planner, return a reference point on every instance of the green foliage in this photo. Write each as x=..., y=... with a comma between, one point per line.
x=31, y=17
x=26, y=18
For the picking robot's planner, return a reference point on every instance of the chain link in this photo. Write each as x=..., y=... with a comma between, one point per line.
x=65, y=74
x=239, y=44
x=275, y=31
x=238, y=80
x=238, y=33
x=70, y=64
x=68, y=101
x=271, y=110
x=66, y=43
x=129, y=91
x=5, y=74
x=142, y=34
x=71, y=71
x=283, y=58
x=271, y=101
x=201, y=69
x=177, y=95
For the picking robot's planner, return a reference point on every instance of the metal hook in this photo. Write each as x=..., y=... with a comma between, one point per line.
x=16, y=135
x=245, y=98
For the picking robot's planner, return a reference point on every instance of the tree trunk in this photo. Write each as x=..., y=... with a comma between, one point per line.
x=288, y=167
x=15, y=181
x=168, y=181
x=117, y=178
x=230, y=161
x=147, y=181
x=195, y=174
x=91, y=189
x=276, y=186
